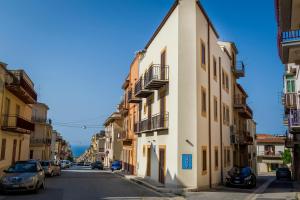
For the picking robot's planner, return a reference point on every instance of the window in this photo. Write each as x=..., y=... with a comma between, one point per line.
x=203, y=102
x=215, y=68
x=216, y=158
x=215, y=109
x=204, y=160
x=18, y=110
x=226, y=115
x=290, y=85
x=223, y=79
x=145, y=108
x=3, y=149
x=226, y=82
x=203, y=55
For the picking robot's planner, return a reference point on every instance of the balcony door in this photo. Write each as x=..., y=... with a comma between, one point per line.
x=6, y=111
x=148, y=171
x=163, y=65
x=162, y=111
x=149, y=112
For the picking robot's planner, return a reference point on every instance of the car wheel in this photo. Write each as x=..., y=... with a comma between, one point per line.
x=43, y=186
x=36, y=188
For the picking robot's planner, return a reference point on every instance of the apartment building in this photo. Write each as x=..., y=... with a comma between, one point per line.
x=187, y=84
x=129, y=111
x=17, y=96
x=113, y=147
x=97, y=147
x=269, y=152
x=288, y=20
x=41, y=138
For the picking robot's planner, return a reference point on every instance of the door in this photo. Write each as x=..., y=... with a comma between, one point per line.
x=149, y=102
x=163, y=65
x=162, y=111
x=13, y=160
x=6, y=111
x=161, y=172
x=20, y=147
x=148, y=173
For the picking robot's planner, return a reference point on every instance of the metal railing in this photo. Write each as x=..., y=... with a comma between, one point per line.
x=240, y=100
x=157, y=72
x=46, y=141
x=239, y=69
x=139, y=85
x=269, y=153
x=16, y=123
x=41, y=120
x=160, y=121
x=294, y=118
x=290, y=36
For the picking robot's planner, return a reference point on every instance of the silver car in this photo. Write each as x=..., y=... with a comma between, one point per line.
x=50, y=168
x=23, y=176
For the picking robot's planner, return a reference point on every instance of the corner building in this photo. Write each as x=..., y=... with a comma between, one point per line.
x=185, y=83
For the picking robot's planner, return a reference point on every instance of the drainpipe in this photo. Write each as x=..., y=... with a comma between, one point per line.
x=209, y=109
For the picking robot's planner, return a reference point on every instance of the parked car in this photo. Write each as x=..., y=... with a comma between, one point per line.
x=116, y=165
x=283, y=172
x=23, y=176
x=80, y=163
x=65, y=164
x=50, y=168
x=87, y=163
x=241, y=177
x=97, y=165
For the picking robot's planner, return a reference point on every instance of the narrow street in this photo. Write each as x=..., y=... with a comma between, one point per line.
x=82, y=183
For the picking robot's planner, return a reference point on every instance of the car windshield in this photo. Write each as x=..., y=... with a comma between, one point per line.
x=45, y=163
x=283, y=169
x=22, y=168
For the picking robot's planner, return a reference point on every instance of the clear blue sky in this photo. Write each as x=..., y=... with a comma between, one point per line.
x=78, y=53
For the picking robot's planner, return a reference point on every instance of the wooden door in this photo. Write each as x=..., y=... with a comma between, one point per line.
x=163, y=65
x=149, y=102
x=161, y=170
x=14, y=152
x=148, y=173
x=162, y=111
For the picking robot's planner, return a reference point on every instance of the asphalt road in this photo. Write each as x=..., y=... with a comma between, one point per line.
x=81, y=183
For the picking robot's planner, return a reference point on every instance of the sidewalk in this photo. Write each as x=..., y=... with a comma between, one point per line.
x=218, y=192
x=296, y=185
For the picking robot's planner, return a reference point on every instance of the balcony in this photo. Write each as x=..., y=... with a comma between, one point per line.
x=41, y=141
x=269, y=154
x=22, y=87
x=289, y=100
x=156, y=77
x=41, y=120
x=239, y=70
x=160, y=122
x=131, y=98
x=243, y=109
x=290, y=46
x=140, y=91
x=294, y=121
x=241, y=138
x=17, y=124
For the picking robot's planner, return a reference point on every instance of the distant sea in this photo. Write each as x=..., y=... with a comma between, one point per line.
x=78, y=150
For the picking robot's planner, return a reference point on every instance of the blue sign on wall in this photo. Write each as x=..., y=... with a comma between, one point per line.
x=187, y=161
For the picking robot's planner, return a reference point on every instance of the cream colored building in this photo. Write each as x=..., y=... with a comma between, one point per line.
x=16, y=96
x=185, y=83
x=41, y=138
x=113, y=146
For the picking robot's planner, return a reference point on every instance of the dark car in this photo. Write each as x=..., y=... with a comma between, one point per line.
x=241, y=177
x=23, y=176
x=116, y=165
x=97, y=165
x=283, y=172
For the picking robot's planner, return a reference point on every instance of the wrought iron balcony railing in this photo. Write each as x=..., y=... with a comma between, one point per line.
x=131, y=97
x=160, y=121
x=289, y=100
x=16, y=123
x=156, y=77
x=241, y=105
x=40, y=141
x=239, y=69
x=140, y=90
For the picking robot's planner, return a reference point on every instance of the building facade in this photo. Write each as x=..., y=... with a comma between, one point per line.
x=187, y=81
x=113, y=146
x=129, y=111
x=17, y=96
x=288, y=20
x=41, y=138
x=269, y=152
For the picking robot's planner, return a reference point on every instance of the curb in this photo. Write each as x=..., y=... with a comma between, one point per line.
x=168, y=191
